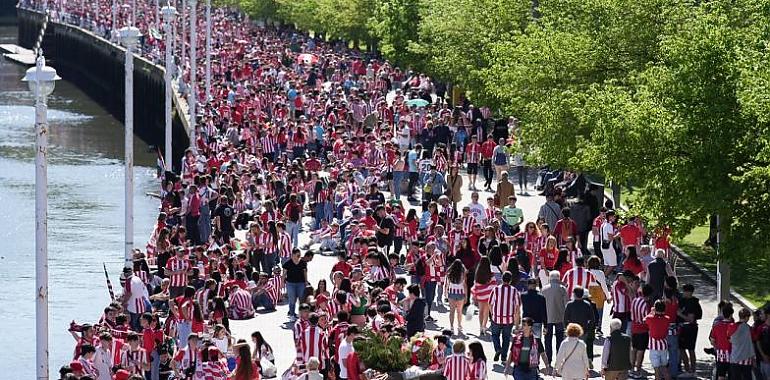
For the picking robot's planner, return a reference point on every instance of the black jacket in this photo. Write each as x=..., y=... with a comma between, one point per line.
x=582, y=312
x=533, y=306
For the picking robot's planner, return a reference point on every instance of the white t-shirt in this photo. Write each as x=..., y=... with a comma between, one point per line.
x=138, y=292
x=477, y=210
x=607, y=229
x=344, y=350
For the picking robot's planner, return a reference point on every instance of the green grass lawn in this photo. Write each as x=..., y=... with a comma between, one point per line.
x=748, y=280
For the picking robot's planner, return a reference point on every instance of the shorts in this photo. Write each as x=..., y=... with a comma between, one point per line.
x=659, y=358
x=688, y=335
x=456, y=297
x=610, y=258
x=473, y=168
x=640, y=341
x=723, y=369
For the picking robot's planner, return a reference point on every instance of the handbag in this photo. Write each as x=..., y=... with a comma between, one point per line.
x=269, y=369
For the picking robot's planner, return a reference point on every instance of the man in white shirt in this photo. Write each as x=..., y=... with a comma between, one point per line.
x=608, y=234
x=104, y=359
x=345, y=349
x=477, y=209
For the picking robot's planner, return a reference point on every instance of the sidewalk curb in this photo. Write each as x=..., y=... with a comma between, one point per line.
x=711, y=277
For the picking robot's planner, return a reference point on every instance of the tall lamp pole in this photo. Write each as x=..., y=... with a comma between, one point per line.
x=193, y=98
x=169, y=13
x=208, y=50
x=129, y=36
x=41, y=80
x=182, y=38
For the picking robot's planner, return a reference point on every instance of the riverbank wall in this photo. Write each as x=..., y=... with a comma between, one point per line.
x=96, y=66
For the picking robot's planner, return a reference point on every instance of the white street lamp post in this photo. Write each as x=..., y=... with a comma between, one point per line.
x=182, y=38
x=41, y=80
x=168, y=17
x=114, y=18
x=129, y=36
x=208, y=50
x=193, y=97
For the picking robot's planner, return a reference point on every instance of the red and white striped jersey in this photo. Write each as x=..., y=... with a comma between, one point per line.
x=621, y=299
x=273, y=289
x=284, y=245
x=174, y=264
x=269, y=143
x=479, y=370
x=266, y=240
x=455, y=238
x=504, y=303
x=468, y=222
x=577, y=276
x=473, y=153
x=202, y=296
x=240, y=302
x=314, y=343
x=639, y=310
x=458, y=367
x=456, y=288
x=490, y=213
x=212, y=371
x=134, y=361
x=482, y=292
x=377, y=273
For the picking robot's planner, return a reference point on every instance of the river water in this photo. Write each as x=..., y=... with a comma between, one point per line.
x=85, y=214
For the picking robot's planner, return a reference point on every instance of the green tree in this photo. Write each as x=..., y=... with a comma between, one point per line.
x=669, y=96
x=396, y=25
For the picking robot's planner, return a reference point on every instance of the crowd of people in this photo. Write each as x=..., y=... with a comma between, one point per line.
x=306, y=141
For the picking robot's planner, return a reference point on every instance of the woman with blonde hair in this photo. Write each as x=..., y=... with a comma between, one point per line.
x=571, y=359
x=547, y=259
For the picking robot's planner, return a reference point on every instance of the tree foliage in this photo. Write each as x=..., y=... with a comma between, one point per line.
x=669, y=96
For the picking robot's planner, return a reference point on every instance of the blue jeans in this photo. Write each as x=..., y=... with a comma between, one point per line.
x=429, y=290
x=519, y=374
x=268, y=262
x=262, y=300
x=293, y=229
x=398, y=177
x=183, y=330
x=154, y=372
x=294, y=291
x=551, y=330
x=501, y=347
x=673, y=355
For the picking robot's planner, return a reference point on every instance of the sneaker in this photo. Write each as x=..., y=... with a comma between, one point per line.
x=497, y=357
x=429, y=319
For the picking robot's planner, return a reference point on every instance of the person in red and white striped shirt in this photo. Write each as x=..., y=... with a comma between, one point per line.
x=177, y=268
x=578, y=276
x=472, y=157
x=640, y=308
x=505, y=306
x=478, y=361
x=241, y=306
x=621, y=295
x=134, y=359
x=658, y=323
x=314, y=342
x=457, y=366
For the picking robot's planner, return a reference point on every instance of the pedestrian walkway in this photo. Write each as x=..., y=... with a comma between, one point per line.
x=276, y=328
